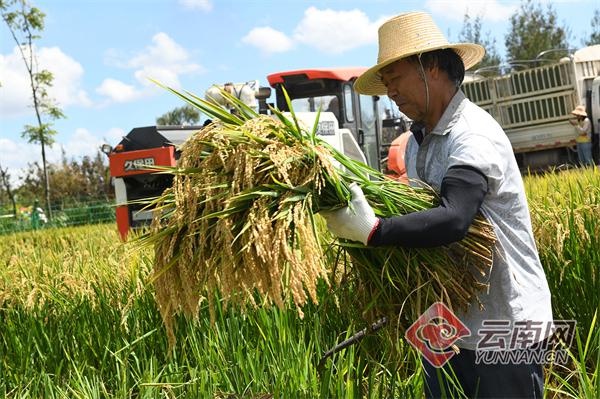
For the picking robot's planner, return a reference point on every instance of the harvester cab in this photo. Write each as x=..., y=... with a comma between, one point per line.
x=363, y=127
x=250, y=93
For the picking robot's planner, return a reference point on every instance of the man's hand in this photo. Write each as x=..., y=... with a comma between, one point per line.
x=356, y=222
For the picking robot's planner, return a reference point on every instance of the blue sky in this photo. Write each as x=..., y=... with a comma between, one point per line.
x=101, y=53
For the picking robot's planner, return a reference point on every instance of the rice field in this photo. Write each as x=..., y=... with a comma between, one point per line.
x=78, y=319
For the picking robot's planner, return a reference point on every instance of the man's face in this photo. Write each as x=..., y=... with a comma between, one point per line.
x=405, y=87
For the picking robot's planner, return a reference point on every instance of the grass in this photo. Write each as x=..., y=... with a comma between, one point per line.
x=580, y=377
x=78, y=320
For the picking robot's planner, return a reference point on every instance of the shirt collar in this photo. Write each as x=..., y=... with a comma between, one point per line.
x=417, y=129
x=451, y=114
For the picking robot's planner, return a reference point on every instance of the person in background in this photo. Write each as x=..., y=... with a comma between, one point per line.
x=38, y=216
x=583, y=126
x=334, y=106
x=460, y=150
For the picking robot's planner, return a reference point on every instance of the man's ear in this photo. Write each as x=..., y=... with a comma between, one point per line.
x=434, y=71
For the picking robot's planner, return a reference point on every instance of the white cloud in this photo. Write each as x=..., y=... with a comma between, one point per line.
x=202, y=5
x=335, y=32
x=12, y=152
x=268, y=40
x=113, y=136
x=329, y=31
x=490, y=10
x=15, y=155
x=167, y=76
x=15, y=92
x=117, y=91
x=163, y=50
x=80, y=144
x=67, y=76
x=163, y=59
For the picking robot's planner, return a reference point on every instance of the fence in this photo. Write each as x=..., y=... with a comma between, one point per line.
x=65, y=213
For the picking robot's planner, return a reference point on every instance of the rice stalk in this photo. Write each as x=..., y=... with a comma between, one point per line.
x=239, y=223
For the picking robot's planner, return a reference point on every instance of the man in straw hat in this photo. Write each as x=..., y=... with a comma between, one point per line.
x=462, y=152
x=584, y=136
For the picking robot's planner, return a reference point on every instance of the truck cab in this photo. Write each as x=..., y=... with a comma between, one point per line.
x=368, y=123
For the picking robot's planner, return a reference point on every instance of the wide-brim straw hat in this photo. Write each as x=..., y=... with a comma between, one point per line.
x=579, y=111
x=410, y=34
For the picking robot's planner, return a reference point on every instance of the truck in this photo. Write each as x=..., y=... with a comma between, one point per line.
x=533, y=104
x=363, y=127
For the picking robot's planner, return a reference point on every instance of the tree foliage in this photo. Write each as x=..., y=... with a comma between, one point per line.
x=24, y=23
x=185, y=115
x=471, y=33
x=533, y=30
x=71, y=180
x=595, y=25
x=6, y=190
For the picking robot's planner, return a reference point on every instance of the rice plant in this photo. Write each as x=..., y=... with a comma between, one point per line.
x=78, y=319
x=565, y=210
x=240, y=223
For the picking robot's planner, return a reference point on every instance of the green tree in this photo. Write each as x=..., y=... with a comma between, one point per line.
x=84, y=179
x=595, y=35
x=186, y=115
x=71, y=180
x=7, y=186
x=533, y=30
x=24, y=23
x=471, y=33
x=31, y=185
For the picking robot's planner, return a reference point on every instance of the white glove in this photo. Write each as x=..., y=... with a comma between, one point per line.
x=355, y=222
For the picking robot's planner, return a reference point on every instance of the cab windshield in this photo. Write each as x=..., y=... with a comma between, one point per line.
x=312, y=104
x=388, y=109
x=330, y=103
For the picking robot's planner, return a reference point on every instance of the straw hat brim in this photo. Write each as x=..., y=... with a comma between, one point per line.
x=579, y=113
x=370, y=81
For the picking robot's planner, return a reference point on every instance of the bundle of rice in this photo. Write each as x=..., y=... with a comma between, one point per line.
x=239, y=224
